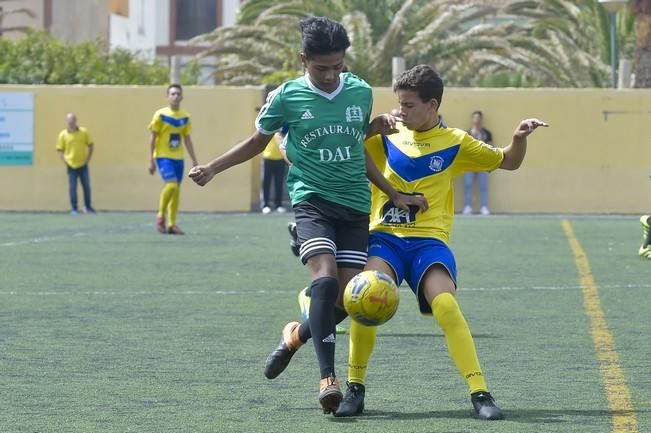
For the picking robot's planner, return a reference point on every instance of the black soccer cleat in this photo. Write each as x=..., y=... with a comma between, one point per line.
x=353, y=402
x=293, y=243
x=278, y=360
x=485, y=406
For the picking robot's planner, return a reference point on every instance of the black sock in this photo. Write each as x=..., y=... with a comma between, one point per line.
x=648, y=235
x=304, y=333
x=322, y=322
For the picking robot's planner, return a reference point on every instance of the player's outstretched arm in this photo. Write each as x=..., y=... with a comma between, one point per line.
x=241, y=152
x=514, y=152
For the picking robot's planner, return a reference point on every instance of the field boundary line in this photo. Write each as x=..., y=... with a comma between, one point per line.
x=612, y=374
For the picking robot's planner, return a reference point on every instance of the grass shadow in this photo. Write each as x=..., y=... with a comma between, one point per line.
x=529, y=416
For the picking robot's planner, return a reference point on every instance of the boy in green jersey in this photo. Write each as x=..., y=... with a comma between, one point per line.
x=328, y=114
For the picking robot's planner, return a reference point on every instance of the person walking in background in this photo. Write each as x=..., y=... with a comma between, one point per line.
x=274, y=170
x=482, y=134
x=75, y=147
x=170, y=130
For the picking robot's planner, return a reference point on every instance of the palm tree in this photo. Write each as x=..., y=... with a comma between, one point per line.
x=643, y=43
x=265, y=39
x=5, y=13
x=557, y=43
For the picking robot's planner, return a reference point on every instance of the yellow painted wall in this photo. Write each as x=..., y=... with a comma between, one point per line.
x=117, y=118
x=584, y=163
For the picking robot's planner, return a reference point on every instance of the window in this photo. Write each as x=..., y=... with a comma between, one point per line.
x=194, y=17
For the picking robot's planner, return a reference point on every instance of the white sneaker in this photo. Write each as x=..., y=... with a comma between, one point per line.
x=281, y=209
x=467, y=210
x=266, y=210
x=484, y=210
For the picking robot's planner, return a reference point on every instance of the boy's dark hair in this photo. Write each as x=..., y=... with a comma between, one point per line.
x=423, y=80
x=322, y=35
x=174, y=86
x=477, y=113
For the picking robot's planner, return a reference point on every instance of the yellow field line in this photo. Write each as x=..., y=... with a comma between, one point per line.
x=619, y=397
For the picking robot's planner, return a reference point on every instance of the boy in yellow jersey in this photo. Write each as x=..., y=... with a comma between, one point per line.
x=422, y=158
x=75, y=147
x=170, y=130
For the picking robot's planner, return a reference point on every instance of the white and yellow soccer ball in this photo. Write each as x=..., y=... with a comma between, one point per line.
x=371, y=298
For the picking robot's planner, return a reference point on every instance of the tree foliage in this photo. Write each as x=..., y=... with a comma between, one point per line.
x=266, y=40
x=38, y=58
x=555, y=43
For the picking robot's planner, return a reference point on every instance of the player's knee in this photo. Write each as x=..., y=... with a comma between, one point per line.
x=445, y=308
x=325, y=289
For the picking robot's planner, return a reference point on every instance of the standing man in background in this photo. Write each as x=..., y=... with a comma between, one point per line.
x=170, y=130
x=484, y=135
x=75, y=147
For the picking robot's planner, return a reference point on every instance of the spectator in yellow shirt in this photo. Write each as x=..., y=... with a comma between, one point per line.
x=75, y=147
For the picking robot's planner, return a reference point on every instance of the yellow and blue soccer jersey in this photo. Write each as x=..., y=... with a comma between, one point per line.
x=425, y=163
x=74, y=146
x=171, y=127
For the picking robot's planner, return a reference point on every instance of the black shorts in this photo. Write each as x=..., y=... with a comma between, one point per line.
x=324, y=227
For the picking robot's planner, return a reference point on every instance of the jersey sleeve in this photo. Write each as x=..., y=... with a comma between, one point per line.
x=60, y=144
x=188, y=127
x=155, y=124
x=375, y=147
x=475, y=155
x=271, y=117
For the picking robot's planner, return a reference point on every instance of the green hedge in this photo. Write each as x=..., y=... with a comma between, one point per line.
x=38, y=58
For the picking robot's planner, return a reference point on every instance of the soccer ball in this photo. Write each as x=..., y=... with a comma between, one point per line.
x=371, y=298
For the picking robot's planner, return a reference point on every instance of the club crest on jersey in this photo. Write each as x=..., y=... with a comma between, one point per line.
x=436, y=164
x=354, y=113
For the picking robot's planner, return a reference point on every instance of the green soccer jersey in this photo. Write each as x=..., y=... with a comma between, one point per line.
x=325, y=140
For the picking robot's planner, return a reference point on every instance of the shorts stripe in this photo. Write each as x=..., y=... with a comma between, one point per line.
x=352, y=253
x=315, y=244
x=352, y=256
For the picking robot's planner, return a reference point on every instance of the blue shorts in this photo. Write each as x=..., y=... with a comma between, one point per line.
x=410, y=259
x=171, y=170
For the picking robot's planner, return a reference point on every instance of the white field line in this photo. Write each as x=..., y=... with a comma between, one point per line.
x=277, y=292
x=121, y=230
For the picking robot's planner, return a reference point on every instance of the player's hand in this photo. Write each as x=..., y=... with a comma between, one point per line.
x=201, y=174
x=527, y=126
x=152, y=167
x=404, y=201
x=384, y=124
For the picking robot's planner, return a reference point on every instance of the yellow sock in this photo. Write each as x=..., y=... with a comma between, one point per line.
x=362, y=342
x=173, y=207
x=460, y=343
x=165, y=197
